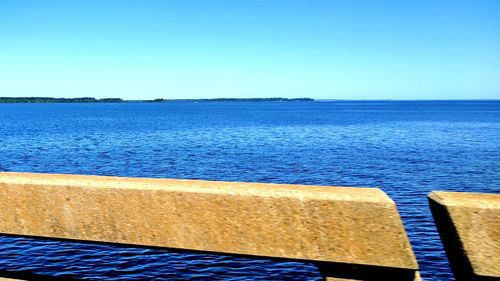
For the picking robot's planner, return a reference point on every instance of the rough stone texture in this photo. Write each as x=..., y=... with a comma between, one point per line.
x=327, y=224
x=469, y=225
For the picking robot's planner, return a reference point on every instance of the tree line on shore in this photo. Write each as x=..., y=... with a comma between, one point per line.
x=116, y=100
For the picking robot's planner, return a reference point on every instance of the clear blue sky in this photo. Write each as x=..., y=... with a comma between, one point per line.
x=250, y=48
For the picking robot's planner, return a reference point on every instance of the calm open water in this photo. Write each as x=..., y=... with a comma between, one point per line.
x=406, y=148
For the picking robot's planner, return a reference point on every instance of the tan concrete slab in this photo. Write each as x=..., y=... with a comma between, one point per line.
x=469, y=225
x=317, y=223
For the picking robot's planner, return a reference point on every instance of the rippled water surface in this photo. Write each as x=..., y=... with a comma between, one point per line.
x=406, y=148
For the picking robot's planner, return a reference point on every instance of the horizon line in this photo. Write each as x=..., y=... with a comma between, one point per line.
x=248, y=98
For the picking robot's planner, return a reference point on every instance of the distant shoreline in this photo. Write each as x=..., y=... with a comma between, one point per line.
x=118, y=100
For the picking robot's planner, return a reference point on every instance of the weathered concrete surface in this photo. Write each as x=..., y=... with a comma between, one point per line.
x=469, y=225
x=358, y=226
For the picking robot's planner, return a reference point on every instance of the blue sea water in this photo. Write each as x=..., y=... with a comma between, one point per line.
x=407, y=148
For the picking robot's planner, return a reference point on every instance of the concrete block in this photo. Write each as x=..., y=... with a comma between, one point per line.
x=332, y=225
x=469, y=226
